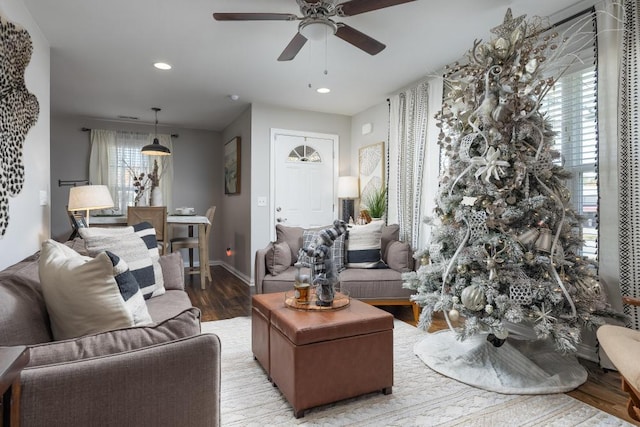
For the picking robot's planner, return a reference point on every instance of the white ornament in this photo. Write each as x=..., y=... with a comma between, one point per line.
x=488, y=308
x=490, y=165
x=455, y=299
x=454, y=314
x=468, y=201
x=473, y=298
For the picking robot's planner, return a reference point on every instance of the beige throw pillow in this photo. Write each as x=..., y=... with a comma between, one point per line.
x=81, y=293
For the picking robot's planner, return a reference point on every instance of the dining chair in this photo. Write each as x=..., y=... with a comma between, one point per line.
x=178, y=243
x=156, y=216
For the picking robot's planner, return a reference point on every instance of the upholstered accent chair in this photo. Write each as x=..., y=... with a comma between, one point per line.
x=622, y=346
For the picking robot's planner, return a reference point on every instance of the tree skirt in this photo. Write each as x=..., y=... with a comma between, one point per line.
x=517, y=367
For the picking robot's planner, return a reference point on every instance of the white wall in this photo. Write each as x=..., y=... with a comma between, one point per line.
x=29, y=223
x=263, y=118
x=378, y=117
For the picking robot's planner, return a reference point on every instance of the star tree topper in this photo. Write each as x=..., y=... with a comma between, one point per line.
x=508, y=25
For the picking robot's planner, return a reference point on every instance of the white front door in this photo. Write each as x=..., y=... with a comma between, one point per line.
x=303, y=166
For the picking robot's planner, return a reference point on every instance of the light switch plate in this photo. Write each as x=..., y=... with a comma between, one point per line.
x=44, y=199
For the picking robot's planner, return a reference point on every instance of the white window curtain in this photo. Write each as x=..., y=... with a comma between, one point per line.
x=116, y=158
x=628, y=153
x=407, y=147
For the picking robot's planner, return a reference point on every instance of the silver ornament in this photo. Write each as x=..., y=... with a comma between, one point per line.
x=501, y=334
x=488, y=308
x=454, y=314
x=473, y=298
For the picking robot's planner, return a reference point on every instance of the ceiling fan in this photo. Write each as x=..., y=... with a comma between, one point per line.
x=316, y=19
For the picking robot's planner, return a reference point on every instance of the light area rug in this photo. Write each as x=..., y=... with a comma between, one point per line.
x=421, y=396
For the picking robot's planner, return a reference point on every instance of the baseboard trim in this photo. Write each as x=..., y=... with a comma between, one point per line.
x=243, y=277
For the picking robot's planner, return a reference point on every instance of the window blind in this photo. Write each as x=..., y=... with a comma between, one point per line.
x=571, y=110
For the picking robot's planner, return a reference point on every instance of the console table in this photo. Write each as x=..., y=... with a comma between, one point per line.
x=12, y=360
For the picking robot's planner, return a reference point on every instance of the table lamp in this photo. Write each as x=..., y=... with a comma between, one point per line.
x=347, y=191
x=87, y=197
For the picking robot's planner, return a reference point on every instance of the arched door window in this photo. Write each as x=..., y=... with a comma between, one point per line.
x=304, y=153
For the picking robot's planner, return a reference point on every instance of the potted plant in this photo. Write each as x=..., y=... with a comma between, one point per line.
x=375, y=202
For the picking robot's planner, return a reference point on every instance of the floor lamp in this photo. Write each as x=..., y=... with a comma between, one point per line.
x=87, y=197
x=348, y=192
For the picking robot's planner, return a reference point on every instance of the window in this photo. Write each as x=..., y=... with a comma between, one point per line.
x=116, y=159
x=304, y=153
x=571, y=109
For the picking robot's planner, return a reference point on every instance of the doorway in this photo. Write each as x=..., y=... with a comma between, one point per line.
x=303, y=178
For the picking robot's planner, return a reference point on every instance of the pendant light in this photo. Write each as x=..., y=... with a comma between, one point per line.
x=155, y=148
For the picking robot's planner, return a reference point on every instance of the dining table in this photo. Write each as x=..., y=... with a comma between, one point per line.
x=190, y=221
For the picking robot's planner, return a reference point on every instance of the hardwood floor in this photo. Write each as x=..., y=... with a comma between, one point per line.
x=227, y=297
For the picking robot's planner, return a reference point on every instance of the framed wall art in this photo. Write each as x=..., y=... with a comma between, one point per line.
x=232, y=166
x=371, y=165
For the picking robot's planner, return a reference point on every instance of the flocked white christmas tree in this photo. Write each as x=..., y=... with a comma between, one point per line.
x=505, y=243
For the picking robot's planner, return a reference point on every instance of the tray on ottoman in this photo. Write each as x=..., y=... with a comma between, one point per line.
x=320, y=357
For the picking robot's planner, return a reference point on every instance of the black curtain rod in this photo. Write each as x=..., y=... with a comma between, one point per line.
x=173, y=135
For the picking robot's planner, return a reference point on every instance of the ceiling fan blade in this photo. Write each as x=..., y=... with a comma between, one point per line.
x=254, y=17
x=293, y=48
x=355, y=7
x=359, y=40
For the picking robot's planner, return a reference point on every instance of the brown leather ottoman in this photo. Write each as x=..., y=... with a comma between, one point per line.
x=319, y=357
x=262, y=306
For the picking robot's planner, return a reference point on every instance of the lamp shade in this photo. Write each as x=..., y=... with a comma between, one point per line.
x=348, y=187
x=155, y=149
x=88, y=197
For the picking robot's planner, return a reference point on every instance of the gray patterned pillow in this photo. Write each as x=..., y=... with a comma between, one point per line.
x=337, y=250
x=137, y=246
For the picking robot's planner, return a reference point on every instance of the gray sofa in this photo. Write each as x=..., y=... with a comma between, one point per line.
x=165, y=374
x=373, y=286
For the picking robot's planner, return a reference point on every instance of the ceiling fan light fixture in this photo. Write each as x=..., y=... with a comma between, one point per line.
x=317, y=29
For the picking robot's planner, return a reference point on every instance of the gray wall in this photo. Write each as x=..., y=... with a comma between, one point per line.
x=196, y=162
x=28, y=219
x=263, y=118
x=234, y=226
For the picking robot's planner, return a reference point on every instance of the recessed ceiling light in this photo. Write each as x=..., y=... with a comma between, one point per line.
x=162, y=66
x=323, y=90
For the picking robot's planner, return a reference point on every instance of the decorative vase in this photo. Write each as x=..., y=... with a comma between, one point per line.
x=156, y=197
x=142, y=201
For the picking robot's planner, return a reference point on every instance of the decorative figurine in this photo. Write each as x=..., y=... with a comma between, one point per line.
x=323, y=271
